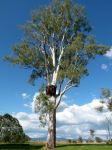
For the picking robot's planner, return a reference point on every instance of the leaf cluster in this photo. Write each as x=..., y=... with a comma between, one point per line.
x=107, y=99
x=43, y=106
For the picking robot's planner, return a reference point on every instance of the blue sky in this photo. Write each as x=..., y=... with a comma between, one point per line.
x=13, y=79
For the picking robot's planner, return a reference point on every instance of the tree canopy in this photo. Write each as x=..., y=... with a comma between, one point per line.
x=57, y=39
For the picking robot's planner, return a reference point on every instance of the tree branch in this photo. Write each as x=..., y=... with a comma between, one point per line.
x=55, y=74
x=53, y=56
x=60, y=86
x=66, y=88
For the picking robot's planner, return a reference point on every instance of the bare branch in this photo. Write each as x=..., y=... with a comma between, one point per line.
x=66, y=88
x=58, y=100
x=60, y=86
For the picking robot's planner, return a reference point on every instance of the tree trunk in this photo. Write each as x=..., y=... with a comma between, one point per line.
x=51, y=138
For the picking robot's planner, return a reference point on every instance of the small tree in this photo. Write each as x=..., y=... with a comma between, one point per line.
x=107, y=100
x=80, y=139
x=69, y=140
x=92, y=134
x=57, y=47
x=98, y=139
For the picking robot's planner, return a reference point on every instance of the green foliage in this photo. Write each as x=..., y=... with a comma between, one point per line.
x=106, y=93
x=43, y=106
x=100, y=109
x=110, y=104
x=46, y=30
x=11, y=131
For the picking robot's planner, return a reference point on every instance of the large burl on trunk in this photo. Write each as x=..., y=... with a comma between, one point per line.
x=51, y=90
x=51, y=137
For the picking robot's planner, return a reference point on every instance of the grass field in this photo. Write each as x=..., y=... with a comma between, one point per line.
x=60, y=147
x=84, y=147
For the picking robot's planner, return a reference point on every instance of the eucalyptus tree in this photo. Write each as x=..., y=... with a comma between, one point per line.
x=57, y=47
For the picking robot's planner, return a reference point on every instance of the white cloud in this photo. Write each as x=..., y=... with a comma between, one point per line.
x=26, y=105
x=104, y=66
x=62, y=106
x=72, y=121
x=30, y=104
x=75, y=115
x=25, y=96
x=109, y=53
x=30, y=124
x=33, y=103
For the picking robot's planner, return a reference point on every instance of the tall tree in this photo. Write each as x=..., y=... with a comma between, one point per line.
x=57, y=47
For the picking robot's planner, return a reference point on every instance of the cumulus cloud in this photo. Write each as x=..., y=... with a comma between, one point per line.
x=104, y=66
x=72, y=121
x=30, y=124
x=76, y=115
x=109, y=53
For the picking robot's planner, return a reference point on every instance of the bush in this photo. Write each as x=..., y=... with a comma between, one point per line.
x=11, y=131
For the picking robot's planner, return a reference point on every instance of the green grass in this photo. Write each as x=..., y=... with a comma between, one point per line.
x=59, y=147
x=84, y=147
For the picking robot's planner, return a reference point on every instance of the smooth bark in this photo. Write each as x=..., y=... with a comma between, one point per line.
x=51, y=137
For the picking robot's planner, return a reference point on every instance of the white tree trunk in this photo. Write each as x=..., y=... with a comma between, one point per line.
x=51, y=137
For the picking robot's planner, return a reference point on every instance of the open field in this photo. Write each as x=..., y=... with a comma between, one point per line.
x=59, y=147
x=84, y=147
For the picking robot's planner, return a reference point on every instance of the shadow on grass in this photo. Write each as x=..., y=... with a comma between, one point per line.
x=64, y=145
x=19, y=147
